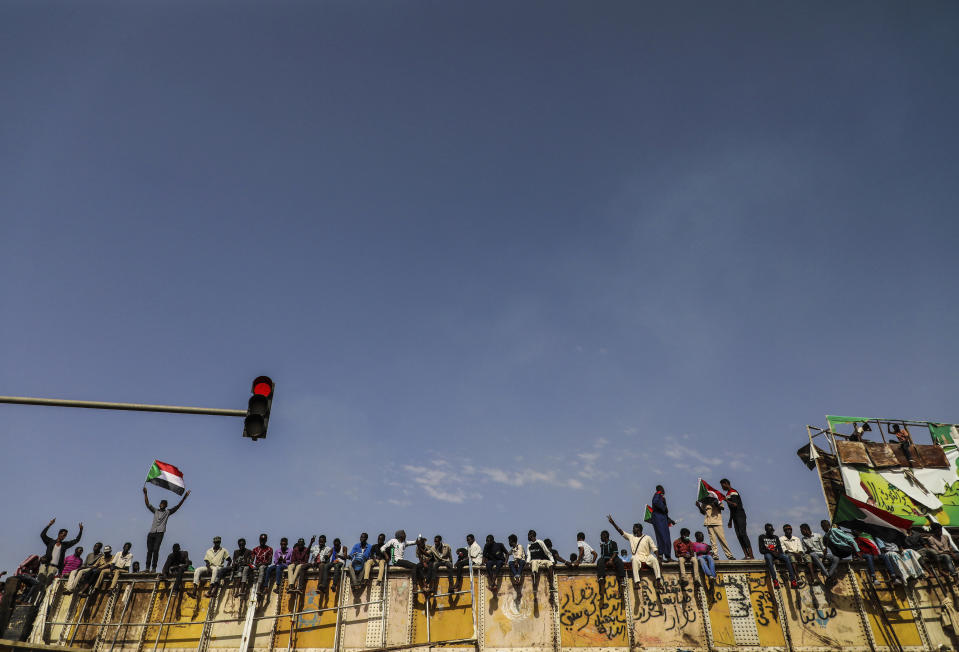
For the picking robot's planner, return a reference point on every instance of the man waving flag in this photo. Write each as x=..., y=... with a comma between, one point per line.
x=167, y=476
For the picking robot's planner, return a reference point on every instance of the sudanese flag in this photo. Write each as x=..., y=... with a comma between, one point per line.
x=705, y=490
x=167, y=476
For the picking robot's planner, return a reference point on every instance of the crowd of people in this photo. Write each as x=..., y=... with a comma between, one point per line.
x=920, y=554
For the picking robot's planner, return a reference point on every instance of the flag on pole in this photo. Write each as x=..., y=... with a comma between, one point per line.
x=705, y=490
x=869, y=518
x=648, y=516
x=167, y=476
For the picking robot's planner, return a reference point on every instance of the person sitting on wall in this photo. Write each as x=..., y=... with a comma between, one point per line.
x=262, y=558
x=215, y=561
x=472, y=554
x=494, y=556
x=518, y=561
x=683, y=549
x=642, y=550
x=29, y=574
x=609, y=559
x=911, y=556
x=772, y=551
x=584, y=552
x=891, y=556
x=817, y=554
x=706, y=558
x=56, y=549
x=88, y=563
x=791, y=545
x=441, y=555
x=424, y=558
x=938, y=549
x=540, y=559
x=869, y=552
x=72, y=562
x=299, y=562
x=177, y=563
x=359, y=553
x=393, y=551
x=375, y=558
x=86, y=582
x=240, y=569
x=339, y=560
x=120, y=563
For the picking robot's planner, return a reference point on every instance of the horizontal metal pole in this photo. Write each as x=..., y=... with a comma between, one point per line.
x=134, y=407
x=405, y=646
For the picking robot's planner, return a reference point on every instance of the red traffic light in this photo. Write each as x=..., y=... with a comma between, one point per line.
x=263, y=386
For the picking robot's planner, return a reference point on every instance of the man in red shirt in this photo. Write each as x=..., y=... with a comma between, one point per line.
x=683, y=548
x=262, y=558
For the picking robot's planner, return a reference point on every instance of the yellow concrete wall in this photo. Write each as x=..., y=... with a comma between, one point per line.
x=581, y=614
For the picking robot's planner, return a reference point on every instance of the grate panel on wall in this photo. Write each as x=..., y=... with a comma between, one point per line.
x=741, y=609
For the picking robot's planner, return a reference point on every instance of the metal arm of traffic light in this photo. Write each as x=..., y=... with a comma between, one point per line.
x=135, y=407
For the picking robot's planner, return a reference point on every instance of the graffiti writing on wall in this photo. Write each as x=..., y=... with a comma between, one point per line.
x=764, y=607
x=585, y=607
x=674, y=606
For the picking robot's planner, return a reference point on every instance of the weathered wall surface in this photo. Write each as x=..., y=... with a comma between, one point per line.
x=740, y=610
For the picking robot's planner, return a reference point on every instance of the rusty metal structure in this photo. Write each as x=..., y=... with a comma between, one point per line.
x=741, y=610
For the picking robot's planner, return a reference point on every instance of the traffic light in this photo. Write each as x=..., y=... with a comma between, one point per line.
x=258, y=410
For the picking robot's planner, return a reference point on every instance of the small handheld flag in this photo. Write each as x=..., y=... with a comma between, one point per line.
x=705, y=490
x=648, y=516
x=167, y=476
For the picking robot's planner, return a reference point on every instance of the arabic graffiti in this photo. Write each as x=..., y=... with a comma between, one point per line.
x=595, y=612
x=674, y=606
x=764, y=607
x=737, y=595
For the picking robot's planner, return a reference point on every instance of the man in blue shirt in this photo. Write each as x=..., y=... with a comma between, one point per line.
x=359, y=553
x=661, y=523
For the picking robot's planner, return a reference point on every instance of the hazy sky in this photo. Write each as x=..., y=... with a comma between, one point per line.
x=510, y=264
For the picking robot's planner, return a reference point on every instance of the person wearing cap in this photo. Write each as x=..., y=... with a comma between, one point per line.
x=214, y=562
x=86, y=582
x=299, y=561
x=119, y=563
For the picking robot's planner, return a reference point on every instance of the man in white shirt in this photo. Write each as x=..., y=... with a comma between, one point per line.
x=586, y=554
x=215, y=561
x=642, y=549
x=120, y=563
x=393, y=551
x=792, y=545
x=474, y=556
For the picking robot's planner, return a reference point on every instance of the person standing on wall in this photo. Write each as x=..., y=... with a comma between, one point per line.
x=737, y=517
x=661, y=523
x=158, y=528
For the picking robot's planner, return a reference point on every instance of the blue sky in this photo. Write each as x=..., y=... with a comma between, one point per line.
x=510, y=265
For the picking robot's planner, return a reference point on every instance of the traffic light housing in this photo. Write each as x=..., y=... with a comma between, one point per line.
x=258, y=410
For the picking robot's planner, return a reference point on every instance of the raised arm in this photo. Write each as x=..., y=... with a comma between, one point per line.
x=613, y=523
x=146, y=500
x=43, y=532
x=180, y=504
